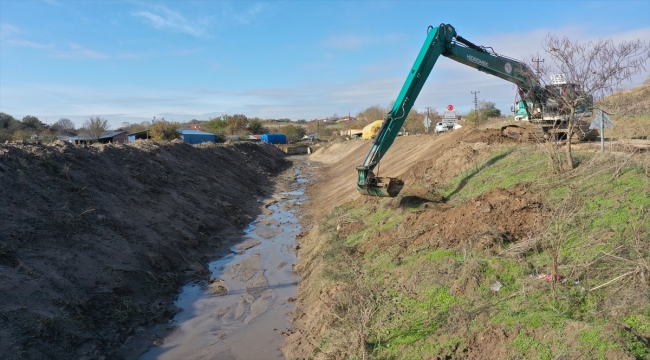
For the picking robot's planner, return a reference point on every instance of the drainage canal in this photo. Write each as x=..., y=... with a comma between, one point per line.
x=242, y=312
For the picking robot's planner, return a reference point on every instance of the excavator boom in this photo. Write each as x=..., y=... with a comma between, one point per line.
x=433, y=47
x=439, y=41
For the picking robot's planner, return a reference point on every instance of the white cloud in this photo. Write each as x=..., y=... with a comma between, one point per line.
x=7, y=30
x=10, y=35
x=76, y=51
x=162, y=18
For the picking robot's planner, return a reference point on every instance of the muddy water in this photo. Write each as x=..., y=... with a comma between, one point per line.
x=242, y=312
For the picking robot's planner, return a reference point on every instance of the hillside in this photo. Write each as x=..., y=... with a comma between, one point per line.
x=96, y=241
x=460, y=265
x=630, y=111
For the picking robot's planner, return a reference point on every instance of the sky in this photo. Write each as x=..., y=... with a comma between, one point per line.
x=128, y=61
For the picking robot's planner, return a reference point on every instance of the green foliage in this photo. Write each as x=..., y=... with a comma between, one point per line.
x=32, y=122
x=594, y=343
x=532, y=348
x=6, y=120
x=293, y=132
x=486, y=111
x=640, y=323
x=5, y=135
x=165, y=130
x=216, y=126
x=255, y=127
x=20, y=135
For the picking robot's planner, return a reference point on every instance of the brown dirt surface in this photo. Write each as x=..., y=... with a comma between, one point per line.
x=424, y=162
x=437, y=157
x=497, y=216
x=96, y=240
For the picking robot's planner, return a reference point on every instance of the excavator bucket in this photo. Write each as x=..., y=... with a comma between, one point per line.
x=385, y=187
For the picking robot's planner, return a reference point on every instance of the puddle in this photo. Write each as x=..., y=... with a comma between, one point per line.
x=241, y=313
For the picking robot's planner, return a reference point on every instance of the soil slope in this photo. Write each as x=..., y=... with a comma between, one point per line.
x=423, y=161
x=410, y=157
x=95, y=241
x=460, y=264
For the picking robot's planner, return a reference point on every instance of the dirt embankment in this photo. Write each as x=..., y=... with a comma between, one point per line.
x=424, y=162
x=95, y=241
x=416, y=159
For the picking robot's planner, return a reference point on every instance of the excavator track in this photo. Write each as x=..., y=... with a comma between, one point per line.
x=525, y=132
x=537, y=133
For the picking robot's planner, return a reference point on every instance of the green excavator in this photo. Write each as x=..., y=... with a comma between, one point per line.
x=545, y=114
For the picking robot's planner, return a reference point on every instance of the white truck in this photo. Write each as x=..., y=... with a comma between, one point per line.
x=446, y=125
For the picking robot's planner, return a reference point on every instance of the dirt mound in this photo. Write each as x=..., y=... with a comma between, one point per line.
x=94, y=241
x=424, y=162
x=496, y=217
x=438, y=157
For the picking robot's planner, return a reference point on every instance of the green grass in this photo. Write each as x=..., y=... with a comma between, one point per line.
x=501, y=170
x=412, y=320
x=593, y=213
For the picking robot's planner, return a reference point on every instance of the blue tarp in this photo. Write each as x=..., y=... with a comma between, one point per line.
x=197, y=137
x=274, y=138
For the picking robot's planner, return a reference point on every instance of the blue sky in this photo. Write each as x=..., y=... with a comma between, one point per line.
x=133, y=60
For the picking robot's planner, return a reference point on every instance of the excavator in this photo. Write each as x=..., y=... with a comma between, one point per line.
x=537, y=104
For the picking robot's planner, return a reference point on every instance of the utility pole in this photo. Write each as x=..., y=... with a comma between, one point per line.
x=476, y=106
x=349, y=124
x=537, y=63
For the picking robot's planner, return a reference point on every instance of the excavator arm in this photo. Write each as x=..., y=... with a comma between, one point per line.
x=440, y=41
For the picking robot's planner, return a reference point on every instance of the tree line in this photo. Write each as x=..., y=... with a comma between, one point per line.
x=31, y=126
x=414, y=122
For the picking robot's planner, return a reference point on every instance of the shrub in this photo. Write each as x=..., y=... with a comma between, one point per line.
x=165, y=130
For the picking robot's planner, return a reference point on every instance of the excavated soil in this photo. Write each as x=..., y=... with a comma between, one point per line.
x=499, y=215
x=96, y=241
x=422, y=159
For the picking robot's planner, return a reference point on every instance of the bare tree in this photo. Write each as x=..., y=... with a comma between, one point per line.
x=93, y=128
x=64, y=126
x=373, y=113
x=414, y=122
x=591, y=71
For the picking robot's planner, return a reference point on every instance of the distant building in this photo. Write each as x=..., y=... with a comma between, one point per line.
x=196, y=136
x=118, y=136
x=140, y=135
